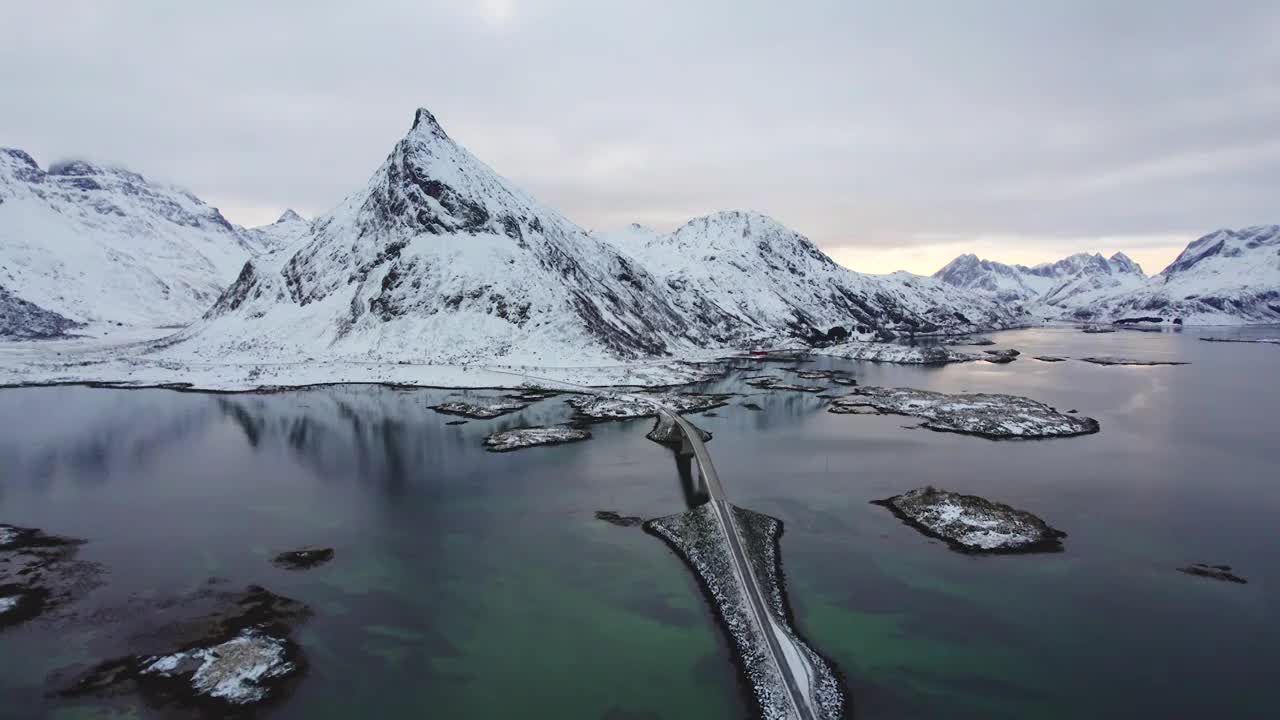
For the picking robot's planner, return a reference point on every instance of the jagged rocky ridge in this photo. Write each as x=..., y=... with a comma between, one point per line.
x=89, y=244
x=438, y=260
x=1048, y=289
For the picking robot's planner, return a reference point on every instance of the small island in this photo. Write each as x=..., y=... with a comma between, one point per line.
x=971, y=524
x=986, y=415
x=521, y=438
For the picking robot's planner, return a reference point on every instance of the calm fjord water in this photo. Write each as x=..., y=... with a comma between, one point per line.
x=473, y=584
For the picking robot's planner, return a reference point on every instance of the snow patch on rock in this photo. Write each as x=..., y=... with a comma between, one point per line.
x=233, y=671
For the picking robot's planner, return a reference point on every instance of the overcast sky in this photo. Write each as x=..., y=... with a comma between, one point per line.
x=896, y=135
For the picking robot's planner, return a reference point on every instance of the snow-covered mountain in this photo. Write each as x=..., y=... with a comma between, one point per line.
x=1226, y=277
x=1063, y=284
x=279, y=235
x=1008, y=283
x=440, y=260
x=775, y=282
x=97, y=244
x=1096, y=277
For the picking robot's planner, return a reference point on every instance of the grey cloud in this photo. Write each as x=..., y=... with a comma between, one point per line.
x=869, y=124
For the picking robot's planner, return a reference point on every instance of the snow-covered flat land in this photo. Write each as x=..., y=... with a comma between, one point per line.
x=129, y=358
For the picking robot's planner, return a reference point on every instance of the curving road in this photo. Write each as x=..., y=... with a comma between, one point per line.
x=796, y=672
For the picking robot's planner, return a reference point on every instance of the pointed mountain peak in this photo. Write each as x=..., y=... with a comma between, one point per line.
x=19, y=156
x=290, y=216
x=1124, y=263
x=74, y=167
x=425, y=122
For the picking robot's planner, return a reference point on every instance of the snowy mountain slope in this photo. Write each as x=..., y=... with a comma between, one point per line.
x=277, y=236
x=440, y=260
x=99, y=244
x=775, y=282
x=1096, y=278
x=1226, y=277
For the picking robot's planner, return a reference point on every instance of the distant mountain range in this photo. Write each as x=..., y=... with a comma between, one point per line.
x=440, y=260
x=1227, y=277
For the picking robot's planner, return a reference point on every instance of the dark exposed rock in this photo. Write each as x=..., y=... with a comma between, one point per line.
x=1260, y=341
x=971, y=340
x=752, y=406
x=1050, y=358
x=22, y=319
x=533, y=394
x=40, y=573
x=456, y=422
x=1108, y=360
x=811, y=374
x=1001, y=356
x=1214, y=572
x=304, y=559
x=666, y=432
x=972, y=524
x=19, y=603
x=1097, y=329
x=614, y=518
x=797, y=388
x=1137, y=320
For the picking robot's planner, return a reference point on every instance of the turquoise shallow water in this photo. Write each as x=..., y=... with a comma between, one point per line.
x=473, y=584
